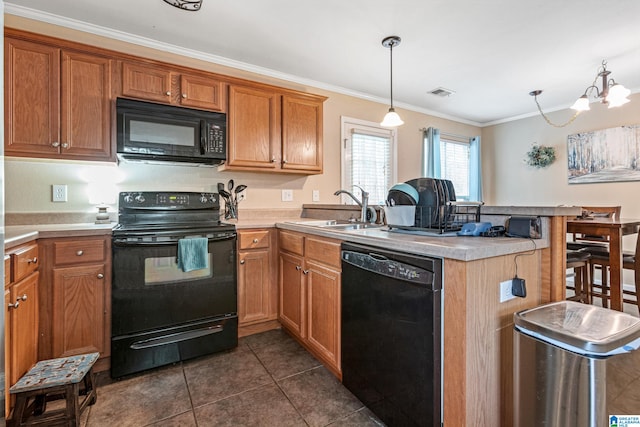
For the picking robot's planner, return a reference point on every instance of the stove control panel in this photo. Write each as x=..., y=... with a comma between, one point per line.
x=162, y=200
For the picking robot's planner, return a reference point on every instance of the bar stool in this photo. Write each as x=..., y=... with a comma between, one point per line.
x=51, y=380
x=579, y=261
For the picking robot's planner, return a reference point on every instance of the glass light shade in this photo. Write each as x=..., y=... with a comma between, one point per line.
x=617, y=95
x=391, y=119
x=613, y=103
x=581, y=104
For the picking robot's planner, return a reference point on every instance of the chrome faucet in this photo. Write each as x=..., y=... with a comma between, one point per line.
x=364, y=204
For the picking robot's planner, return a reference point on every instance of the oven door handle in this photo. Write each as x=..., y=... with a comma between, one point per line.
x=124, y=242
x=174, y=338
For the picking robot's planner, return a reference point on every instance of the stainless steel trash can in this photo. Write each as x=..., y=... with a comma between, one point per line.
x=560, y=360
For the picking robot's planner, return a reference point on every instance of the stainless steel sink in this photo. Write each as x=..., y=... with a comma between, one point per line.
x=353, y=226
x=337, y=224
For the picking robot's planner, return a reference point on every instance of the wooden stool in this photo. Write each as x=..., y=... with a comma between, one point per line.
x=50, y=380
x=579, y=261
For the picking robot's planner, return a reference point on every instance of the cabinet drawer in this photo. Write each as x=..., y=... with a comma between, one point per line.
x=292, y=242
x=24, y=262
x=322, y=250
x=253, y=239
x=79, y=251
x=7, y=270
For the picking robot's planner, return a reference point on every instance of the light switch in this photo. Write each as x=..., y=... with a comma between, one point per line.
x=287, y=195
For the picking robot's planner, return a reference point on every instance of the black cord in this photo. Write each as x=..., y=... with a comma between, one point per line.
x=531, y=252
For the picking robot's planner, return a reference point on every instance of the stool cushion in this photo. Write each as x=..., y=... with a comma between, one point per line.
x=55, y=372
x=576, y=256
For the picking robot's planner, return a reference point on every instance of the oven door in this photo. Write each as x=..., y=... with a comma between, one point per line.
x=150, y=292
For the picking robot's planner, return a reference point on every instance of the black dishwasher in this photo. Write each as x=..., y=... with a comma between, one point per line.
x=391, y=333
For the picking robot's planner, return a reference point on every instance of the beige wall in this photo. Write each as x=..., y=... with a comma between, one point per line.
x=28, y=187
x=509, y=181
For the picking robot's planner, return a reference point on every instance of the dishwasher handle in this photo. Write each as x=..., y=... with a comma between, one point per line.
x=381, y=265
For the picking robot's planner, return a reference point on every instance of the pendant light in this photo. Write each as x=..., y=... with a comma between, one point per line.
x=192, y=5
x=391, y=119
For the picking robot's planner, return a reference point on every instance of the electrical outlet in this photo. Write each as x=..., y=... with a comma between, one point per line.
x=505, y=290
x=59, y=192
x=287, y=195
x=315, y=195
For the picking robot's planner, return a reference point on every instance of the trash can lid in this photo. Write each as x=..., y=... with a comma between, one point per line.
x=582, y=328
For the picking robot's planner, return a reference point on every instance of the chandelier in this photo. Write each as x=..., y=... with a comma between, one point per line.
x=186, y=4
x=612, y=94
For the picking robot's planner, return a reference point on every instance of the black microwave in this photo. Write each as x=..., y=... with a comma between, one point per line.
x=151, y=132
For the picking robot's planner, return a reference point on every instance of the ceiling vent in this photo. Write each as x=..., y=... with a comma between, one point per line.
x=441, y=92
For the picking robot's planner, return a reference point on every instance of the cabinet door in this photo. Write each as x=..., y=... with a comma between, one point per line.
x=24, y=326
x=323, y=312
x=254, y=128
x=32, y=98
x=85, y=122
x=301, y=133
x=146, y=82
x=254, y=284
x=201, y=92
x=79, y=310
x=291, y=293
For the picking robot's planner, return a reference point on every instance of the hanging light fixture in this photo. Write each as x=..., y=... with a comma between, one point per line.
x=186, y=4
x=391, y=119
x=612, y=94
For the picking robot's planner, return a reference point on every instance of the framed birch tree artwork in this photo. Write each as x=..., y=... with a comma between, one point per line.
x=607, y=155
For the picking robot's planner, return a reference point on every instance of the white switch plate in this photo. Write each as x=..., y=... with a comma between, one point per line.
x=287, y=195
x=505, y=291
x=315, y=195
x=59, y=192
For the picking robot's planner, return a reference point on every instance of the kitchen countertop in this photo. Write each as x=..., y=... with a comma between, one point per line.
x=455, y=247
x=15, y=235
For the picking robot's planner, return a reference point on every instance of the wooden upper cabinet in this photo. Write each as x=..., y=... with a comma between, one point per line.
x=253, y=128
x=31, y=99
x=85, y=125
x=301, y=133
x=275, y=131
x=57, y=102
x=161, y=84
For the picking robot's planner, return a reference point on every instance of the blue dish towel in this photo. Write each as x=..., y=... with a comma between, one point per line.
x=193, y=253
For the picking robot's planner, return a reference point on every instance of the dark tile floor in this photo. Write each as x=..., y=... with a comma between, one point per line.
x=270, y=380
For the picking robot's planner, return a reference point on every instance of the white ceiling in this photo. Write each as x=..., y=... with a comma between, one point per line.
x=492, y=53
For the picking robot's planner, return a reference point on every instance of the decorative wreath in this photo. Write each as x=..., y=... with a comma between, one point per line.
x=541, y=156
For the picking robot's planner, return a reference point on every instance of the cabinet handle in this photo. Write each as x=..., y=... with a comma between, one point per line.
x=79, y=253
x=255, y=240
x=23, y=298
x=65, y=145
x=284, y=161
x=168, y=93
x=100, y=276
x=16, y=305
x=55, y=144
x=273, y=160
x=305, y=271
x=241, y=261
x=33, y=260
x=298, y=268
x=184, y=95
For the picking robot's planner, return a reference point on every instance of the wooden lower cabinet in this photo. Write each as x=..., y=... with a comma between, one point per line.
x=79, y=310
x=309, y=280
x=257, y=294
x=21, y=314
x=76, y=297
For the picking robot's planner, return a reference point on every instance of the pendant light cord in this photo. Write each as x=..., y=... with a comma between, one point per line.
x=391, y=71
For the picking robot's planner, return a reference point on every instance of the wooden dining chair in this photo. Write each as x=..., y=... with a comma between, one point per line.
x=630, y=261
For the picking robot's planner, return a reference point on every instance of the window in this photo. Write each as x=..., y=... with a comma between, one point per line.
x=454, y=165
x=456, y=158
x=368, y=159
